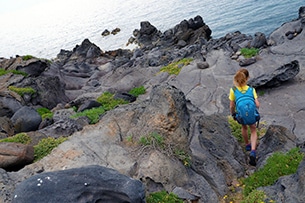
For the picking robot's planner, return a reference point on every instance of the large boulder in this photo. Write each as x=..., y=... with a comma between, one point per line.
x=14, y=156
x=277, y=77
x=87, y=184
x=26, y=119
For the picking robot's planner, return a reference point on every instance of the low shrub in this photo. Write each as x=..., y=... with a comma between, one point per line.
x=3, y=72
x=277, y=165
x=22, y=90
x=27, y=57
x=45, y=146
x=108, y=102
x=153, y=139
x=255, y=196
x=175, y=67
x=44, y=113
x=92, y=114
x=137, y=91
x=22, y=138
x=163, y=197
x=249, y=52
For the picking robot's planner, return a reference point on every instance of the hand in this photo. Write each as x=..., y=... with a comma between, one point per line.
x=234, y=116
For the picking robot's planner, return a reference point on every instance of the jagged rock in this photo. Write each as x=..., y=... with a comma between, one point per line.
x=115, y=31
x=63, y=128
x=8, y=105
x=278, y=76
x=87, y=72
x=6, y=127
x=259, y=40
x=14, y=156
x=105, y=33
x=125, y=96
x=276, y=139
x=86, y=184
x=49, y=91
x=26, y=119
x=247, y=61
x=34, y=68
x=88, y=105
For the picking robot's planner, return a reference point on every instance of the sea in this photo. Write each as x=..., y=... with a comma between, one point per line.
x=42, y=28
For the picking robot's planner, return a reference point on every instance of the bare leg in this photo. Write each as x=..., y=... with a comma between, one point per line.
x=253, y=136
x=244, y=132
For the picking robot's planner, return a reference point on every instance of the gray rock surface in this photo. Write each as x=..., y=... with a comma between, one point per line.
x=86, y=184
x=188, y=110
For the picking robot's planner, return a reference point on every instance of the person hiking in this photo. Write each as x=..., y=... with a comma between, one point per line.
x=240, y=92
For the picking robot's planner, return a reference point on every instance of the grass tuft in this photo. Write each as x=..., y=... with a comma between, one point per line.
x=22, y=138
x=249, y=52
x=175, y=67
x=163, y=197
x=45, y=146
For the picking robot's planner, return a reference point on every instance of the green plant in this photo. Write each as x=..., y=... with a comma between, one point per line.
x=153, y=139
x=22, y=138
x=183, y=156
x=45, y=146
x=22, y=90
x=92, y=114
x=44, y=113
x=254, y=197
x=277, y=165
x=109, y=102
x=249, y=52
x=3, y=72
x=175, y=67
x=163, y=197
x=27, y=57
x=137, y=91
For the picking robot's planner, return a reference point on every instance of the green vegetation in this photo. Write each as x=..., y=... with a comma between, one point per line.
x=22, y=138
x=153, y=139
x=137, y=91
x=22, y=90
x=92, y=114
x=163, y=197
x=255, y=196
x=3, y=72
x=44, y=113
x=27, y=57
x=45, y=146
x=157, y=141
x=279, y=164
x=175, y=67
x=183, y=156
x=109, y=102
x=249, y=52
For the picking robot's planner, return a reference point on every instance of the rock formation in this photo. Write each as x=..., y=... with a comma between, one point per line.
x=198, y=158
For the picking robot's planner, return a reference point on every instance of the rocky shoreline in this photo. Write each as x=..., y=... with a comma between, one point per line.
x=189, y=110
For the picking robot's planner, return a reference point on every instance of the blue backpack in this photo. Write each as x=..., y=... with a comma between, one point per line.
x=247, y=113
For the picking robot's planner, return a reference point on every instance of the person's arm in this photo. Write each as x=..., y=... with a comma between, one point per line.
x=232, y=107
x=232, y=102
x=257, y=103
x=255, y=99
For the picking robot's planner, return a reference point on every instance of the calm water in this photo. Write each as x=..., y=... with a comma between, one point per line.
x=43, y=27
